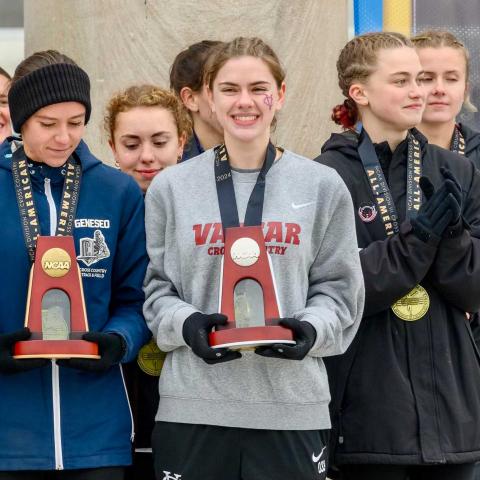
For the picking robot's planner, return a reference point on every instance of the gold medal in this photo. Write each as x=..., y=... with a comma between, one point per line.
x=413, y=306
x=150, y=359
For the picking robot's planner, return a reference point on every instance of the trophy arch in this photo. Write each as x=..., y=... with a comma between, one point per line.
x=55, y=294
x=246, y=258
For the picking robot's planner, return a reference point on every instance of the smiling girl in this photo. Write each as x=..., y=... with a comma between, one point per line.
x=406, y=395
x=259, y=414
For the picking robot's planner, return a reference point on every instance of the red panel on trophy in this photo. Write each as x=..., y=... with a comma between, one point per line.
x=56, y=313
x=248, y=291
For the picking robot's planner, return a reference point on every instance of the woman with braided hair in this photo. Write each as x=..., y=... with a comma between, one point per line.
x=406, y=395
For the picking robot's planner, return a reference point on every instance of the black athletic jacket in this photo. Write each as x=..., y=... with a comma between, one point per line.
x=409, y=392
x=472, y=152
x=472, y=144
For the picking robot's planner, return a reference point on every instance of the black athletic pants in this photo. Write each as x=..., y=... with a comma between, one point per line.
x=108, y=473
x=205, y=452
x=403, y=472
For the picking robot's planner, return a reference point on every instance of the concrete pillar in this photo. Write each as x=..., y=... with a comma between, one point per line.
x=122, y=42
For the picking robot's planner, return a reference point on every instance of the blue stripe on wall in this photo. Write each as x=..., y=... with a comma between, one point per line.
x=368, y=16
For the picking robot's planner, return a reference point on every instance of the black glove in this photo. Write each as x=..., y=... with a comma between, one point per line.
x=304, y=334
x=438, y=212
x=8, y=364
x=111, y=348
x=195, y=332
x=456, y=191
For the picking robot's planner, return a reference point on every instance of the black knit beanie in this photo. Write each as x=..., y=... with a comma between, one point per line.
x=56, y=83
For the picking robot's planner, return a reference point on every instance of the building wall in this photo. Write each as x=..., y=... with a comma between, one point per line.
x=122, y=42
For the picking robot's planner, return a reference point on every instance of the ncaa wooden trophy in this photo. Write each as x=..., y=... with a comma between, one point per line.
x=248, y=296
x=55, y=312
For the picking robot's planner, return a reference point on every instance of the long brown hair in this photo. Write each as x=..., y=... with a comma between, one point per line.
x=240, y=47
x=187, y=69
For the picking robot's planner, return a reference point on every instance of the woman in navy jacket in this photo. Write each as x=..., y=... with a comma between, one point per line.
x=73, y=414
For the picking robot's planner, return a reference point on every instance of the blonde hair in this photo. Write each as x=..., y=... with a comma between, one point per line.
x=440, y=39
x=147, y=96
x=357, y=61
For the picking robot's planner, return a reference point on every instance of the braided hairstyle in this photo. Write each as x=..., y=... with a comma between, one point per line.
x=357, y=61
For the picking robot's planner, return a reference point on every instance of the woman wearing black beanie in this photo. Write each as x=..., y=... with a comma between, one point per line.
x=66, y=418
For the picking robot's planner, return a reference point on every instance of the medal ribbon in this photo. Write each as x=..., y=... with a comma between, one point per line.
x=458, y=142
x=380, y=188
x=26, y=203
x=226, y=193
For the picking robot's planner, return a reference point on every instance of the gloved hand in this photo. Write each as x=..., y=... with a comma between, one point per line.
x=304, y=334
x=456, y=191
x=195, y=332
x=438, y=212
x=8, y=364
x=111, y=348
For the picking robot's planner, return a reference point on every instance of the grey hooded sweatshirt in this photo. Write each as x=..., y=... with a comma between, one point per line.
x=309, y=233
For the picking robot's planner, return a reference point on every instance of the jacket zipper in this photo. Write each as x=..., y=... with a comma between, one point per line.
x=341, y=439
x=57, y=429
x=132, y=431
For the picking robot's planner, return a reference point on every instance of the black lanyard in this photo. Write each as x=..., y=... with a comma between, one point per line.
x=226, y=193
x=379, y=186
x=26, y=203
x=458, y=142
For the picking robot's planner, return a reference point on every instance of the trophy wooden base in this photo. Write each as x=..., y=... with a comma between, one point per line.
x=55, y=349
x=250, y=337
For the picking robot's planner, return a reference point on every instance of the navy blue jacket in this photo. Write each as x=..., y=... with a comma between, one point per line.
x=192, y=149
x=57, y=417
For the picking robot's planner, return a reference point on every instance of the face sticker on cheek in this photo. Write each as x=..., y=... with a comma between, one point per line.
x=268, y=100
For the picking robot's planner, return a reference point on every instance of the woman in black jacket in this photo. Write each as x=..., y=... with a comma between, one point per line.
x=406, y=395
x=446, y=65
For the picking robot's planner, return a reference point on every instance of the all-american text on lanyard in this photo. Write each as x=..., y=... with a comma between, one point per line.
x=458, y=141
x=26, y=203
x=226, y=193
x=380, y=188
x=415, y=304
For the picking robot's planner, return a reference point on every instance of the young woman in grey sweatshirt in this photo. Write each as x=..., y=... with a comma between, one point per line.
x=259, y=414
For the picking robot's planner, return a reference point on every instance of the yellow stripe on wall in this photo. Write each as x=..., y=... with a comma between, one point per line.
x=397, y=16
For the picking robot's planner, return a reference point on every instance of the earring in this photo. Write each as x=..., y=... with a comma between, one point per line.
x=117, y=165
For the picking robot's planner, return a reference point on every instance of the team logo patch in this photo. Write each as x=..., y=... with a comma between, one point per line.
x=92, y=250
x=367, y=212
